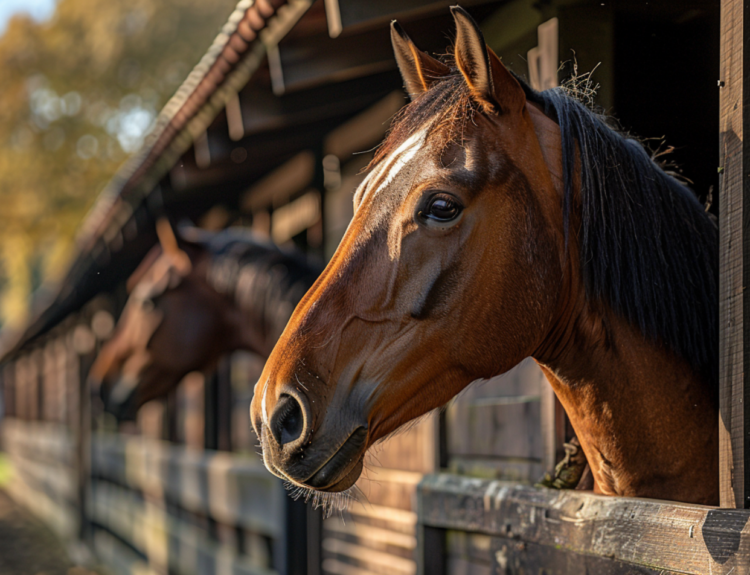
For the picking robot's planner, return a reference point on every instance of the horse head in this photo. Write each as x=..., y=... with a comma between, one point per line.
x=467, y=185
x=173, y=323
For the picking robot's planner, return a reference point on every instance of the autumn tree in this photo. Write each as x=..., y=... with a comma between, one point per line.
x=78, y=93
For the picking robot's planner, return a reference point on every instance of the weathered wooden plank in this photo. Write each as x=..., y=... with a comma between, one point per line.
x=395, y=520
x=166, y=541
x=377, y=538
x=47, y=441
x=346, y=15
x=525, y=471
x=495, y=427
x=461, y=566
x=473, y=547
x=119, y=557
x=306, y=63
x=414, y=449
x=364, y=130
x=521, y=557
x=734, y=258
x=60, y=516
x=232, y=490
x=391, y=488
x=524, y=379
x=657, y=535
x=362, y=557
x=56, y=480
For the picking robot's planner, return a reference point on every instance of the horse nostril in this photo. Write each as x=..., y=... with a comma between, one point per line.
x=288, y=421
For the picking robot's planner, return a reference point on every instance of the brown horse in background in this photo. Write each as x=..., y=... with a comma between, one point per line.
x=499, y=223
x=192, y=300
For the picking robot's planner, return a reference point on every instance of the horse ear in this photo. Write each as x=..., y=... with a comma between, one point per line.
x=418, y=69
x=489, y=80
x=143, y=267
x=169, y=246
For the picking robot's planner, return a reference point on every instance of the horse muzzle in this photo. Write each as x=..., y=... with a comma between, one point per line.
x=294, y=451
x=119, y=398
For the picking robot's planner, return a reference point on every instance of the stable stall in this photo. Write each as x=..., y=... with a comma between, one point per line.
x=267, y=133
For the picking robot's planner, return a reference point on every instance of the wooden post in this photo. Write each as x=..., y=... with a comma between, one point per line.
x=223, y=415
x=734, y=258
x=210, y=411
x=431, y=550
x=82, y=434
x=553, y=427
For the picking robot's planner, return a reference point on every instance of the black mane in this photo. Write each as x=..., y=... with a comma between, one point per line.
x=264, y=280
x=648, y=248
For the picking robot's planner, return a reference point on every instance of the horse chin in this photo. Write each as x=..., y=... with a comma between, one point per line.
x=347, y=481
x=339, y=473
x=124, y=408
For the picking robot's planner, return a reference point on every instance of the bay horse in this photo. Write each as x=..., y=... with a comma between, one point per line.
x=498, y=223
x=193, y=299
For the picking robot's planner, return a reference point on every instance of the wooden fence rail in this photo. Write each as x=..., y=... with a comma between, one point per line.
x=506, y=528
x=155, y=507
x=227, y=488
x=172, y=544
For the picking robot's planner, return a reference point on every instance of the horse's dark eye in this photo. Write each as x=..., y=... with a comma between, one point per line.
x=442, y=208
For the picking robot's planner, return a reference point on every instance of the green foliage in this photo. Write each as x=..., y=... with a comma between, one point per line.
x=6, y=470
x=78, y=94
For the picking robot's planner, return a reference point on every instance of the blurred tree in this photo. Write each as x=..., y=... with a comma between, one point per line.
x=78, y=94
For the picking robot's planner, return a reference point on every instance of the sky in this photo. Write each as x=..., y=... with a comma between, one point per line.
x=37, y=9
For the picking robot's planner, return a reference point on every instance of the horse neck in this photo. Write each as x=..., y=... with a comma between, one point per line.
x=647, y=421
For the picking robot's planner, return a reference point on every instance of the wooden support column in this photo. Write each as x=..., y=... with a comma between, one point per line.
x=734, y=257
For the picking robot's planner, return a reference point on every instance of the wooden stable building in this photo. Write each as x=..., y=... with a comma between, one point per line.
x=267, y=132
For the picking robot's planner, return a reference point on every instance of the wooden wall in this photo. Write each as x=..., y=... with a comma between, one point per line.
x=493, y=429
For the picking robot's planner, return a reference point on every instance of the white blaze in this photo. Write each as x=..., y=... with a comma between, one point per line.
x=263, y=403
x=394, y=163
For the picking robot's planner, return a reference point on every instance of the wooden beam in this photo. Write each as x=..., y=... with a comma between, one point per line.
x=364, y=130
x=235, y=126
x=318, y=59
x=307, y=63
x=276, y=188
x=166, y=540
x=576, y=529
x=348, y=15
x=232, y=490
x=734, y=258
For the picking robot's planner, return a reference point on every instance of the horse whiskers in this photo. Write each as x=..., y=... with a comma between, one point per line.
x=372, y=455
x=328, y=502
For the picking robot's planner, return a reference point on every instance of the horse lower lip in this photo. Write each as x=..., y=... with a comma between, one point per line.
x=341, y=462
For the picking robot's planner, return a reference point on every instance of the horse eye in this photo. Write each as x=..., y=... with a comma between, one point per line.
x=442, y=208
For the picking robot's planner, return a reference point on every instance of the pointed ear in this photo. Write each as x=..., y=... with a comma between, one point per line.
x=489, y=80
x=170, y=248
x=418, y=69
